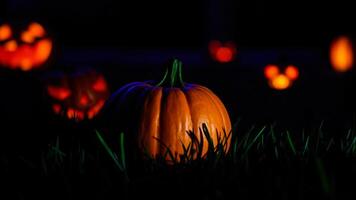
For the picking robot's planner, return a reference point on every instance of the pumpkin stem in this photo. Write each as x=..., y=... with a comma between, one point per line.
x=175, y=72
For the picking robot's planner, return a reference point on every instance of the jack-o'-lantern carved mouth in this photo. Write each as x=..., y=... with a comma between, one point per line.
x=30, y=50
x=79, y=97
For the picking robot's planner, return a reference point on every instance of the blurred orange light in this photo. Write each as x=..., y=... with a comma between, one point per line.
x=5, y=32
x=280, y=82
x=292, y=72
x=27, y=37
x=271, y=71
x=341, y=54
x=224, y=54
x=11, y=46
x=36, y=30
x=58, y=92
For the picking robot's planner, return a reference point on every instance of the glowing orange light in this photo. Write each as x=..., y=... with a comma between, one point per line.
x=79, y=115
x=28, y=55
x=58, y=92
x=341, y=54
x=56, y=108
x=70, y=113
x=25, y=64
x=292, y=72
x=36, y=29
x=5, y=32
x=271, y=71
x=11, y=46
x=92, y=112
x=222, y=52
x=100, y=85
x=280, y=82
x=27, y=37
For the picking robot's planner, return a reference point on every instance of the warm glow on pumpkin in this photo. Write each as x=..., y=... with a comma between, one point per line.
x=56, y=108
x=341, y=54
x=5, y=32
x=84, y=100
x=95, y=109
x=292, y=72
x=35, y=29
x=271, y=71
x=27, y=37
x=11, y=46
x=58, y=92
x=100, y=85
x=281, y=82
x=79, y=95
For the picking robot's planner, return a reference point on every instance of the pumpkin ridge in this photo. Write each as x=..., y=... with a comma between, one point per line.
x=222, y=111
x=151, y=98
x=162, y=148
x=218, y=104
x=183, y=139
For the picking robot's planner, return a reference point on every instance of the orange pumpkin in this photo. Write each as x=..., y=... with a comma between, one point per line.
x=159, y=115
x=79, y=95
x=30, y=50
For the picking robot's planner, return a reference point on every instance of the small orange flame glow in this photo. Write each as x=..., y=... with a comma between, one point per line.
x=281, y=82
x=5, y=32
x=271, y=71
x=58, y=92
x=36, y=30
x=100, y=85
x=341, y=54
x=292, y=72
x=223, y=53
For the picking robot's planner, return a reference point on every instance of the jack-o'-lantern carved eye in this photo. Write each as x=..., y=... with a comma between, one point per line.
x=5, y=32
x=59, y=93
x=100, y=85
x=36, y=30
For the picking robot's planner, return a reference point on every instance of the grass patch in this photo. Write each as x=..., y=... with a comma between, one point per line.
x=262, y=161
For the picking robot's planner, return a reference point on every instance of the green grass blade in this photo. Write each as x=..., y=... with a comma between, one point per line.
x=323, y=177
x=255, y=139
x=306, y=146
x=110, y=152
x=122, y=151
x=291, y=144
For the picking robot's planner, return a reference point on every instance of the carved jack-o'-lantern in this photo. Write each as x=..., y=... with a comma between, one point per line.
x=79, y=95
x=281, y=81
x=25, y=50
x=223, y=53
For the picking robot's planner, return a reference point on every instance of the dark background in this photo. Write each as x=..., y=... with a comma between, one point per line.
x=184, y=23
x=133, y=40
